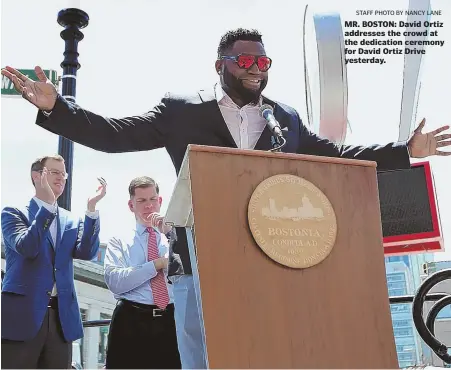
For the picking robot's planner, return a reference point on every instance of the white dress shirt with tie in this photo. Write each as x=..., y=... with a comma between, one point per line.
x=127, y=269
x=53, y=226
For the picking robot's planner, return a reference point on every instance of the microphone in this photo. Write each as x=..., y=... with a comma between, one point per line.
x=266, y=112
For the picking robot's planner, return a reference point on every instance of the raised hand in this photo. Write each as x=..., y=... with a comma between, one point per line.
x=424, y=145
x=157, y=220
x=100, y=193
x=40, y=93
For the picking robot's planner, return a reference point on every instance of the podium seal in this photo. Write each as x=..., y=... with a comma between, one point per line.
x=292, y=221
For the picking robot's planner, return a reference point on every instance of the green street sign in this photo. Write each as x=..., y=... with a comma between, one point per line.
x=8, y=87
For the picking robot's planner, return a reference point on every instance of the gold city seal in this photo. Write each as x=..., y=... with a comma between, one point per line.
x=292, y=221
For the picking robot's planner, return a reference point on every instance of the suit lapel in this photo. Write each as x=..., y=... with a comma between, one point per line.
x=264, y=142
x=33, y=208
x=61, y=226
x=217, y=121
x=215, y=117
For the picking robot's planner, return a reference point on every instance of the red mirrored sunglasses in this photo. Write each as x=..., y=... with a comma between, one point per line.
x=246, y=61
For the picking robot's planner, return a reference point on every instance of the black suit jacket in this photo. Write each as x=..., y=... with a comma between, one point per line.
x=178, y=121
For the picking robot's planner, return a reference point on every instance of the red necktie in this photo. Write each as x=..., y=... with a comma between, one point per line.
x=158, y=283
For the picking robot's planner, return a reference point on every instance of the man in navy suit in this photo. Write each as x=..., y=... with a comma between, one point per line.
x=227, y=116
x=40, y=313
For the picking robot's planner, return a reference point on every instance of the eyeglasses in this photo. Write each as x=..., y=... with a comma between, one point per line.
x=65, y=175
x=246, y=61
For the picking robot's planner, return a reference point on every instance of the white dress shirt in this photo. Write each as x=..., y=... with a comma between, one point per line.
x=53, y=226
x=127, y=269
x=245, y=124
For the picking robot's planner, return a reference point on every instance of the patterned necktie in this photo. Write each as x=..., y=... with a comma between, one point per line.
x=158, y=283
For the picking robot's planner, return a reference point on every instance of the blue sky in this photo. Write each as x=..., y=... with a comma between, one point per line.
x=136, y=50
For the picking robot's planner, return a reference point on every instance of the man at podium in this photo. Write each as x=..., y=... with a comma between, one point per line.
x=227, y=115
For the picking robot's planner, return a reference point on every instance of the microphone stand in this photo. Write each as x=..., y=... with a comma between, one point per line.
x=277, y=142
x=277, y=139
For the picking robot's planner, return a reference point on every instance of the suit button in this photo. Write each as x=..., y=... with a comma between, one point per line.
x=49, y=293
x=55, y=269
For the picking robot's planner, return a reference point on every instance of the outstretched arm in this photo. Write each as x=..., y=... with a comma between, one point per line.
x=56, y=114
x=111, y=135
x=390, y=156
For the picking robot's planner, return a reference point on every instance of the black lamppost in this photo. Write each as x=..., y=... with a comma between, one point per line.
x=72, y=20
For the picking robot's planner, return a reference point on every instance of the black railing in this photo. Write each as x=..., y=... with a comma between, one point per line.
x=393, y=300
x=426, y=330
x=410, y=298
x=96, y=323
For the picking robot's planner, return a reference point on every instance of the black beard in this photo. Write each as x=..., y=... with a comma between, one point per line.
x=235, y=88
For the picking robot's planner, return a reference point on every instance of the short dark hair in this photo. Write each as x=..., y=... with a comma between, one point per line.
x=142, y=182
x=239, y=34
x=39, y=164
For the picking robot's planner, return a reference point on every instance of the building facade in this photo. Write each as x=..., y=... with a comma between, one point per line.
x=442, y=327
x=404, y=276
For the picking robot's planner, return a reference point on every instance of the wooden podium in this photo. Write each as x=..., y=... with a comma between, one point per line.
x=257, y=313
